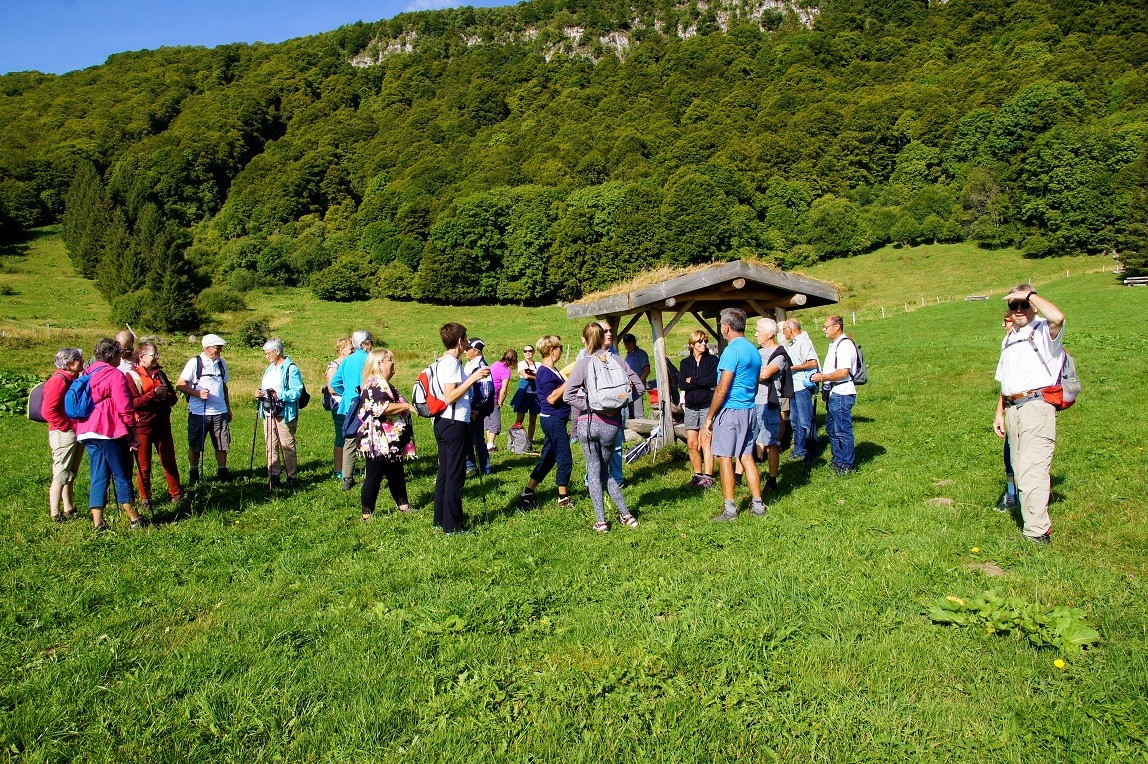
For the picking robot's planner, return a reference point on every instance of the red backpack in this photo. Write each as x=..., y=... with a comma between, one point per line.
x=426, y=395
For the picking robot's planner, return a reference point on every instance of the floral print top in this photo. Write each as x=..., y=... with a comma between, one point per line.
x=382, y=436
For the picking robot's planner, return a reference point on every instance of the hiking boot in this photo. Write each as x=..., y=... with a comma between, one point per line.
x=292, y=483
x=223, y=475
x=274, y=481
x=348, y=483
x=707, y=481
x=758, y=508
x=797, y=457
x=770, y=484
x=1045, y=539
x=725, y=517
x=179, y=499
x=1006, y=504
x=528, y=500
x=139, y=524
x=193, y=476
x=695, y=481
x=565, y=502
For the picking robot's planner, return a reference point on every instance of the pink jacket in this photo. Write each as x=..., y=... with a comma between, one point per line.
x=113, y=413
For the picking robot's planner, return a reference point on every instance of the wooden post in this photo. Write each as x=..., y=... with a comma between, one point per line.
x=663, y=376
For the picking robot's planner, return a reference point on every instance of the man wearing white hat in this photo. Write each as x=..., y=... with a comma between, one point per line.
x=204, y=382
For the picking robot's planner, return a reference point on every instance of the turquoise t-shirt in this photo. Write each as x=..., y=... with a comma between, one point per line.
x=741, y=358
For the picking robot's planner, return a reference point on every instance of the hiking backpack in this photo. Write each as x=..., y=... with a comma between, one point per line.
x=517, y=442
x=862, y=375
x=608, y=386
x=482, y=401
x=36, y=402
x=78, y=403
x=426, y=397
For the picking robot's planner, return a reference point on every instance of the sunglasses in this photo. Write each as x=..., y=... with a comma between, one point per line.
x=527, y=350
x=702, y=342
x=1021, y=305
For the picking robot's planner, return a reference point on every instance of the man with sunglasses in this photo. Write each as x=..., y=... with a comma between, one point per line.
x=1031, y=356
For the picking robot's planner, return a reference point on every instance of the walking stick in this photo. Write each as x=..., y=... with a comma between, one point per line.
x=251, y=461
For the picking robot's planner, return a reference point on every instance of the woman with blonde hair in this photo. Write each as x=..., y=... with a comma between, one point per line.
x=598, y=430
x=386, y=437
x=555, y=414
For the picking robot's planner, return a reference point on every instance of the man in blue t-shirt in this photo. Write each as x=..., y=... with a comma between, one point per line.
x=729, y=423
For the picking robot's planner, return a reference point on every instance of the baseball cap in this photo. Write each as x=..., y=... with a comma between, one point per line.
x=213, y=340
x=476, y=343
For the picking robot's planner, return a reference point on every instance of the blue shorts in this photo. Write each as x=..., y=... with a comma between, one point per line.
x=767, y=426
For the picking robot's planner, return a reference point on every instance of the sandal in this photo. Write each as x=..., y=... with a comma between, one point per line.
x=601, y=526
x=629, y=520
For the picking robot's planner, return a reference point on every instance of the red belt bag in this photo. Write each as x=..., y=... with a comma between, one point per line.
x=1054, y=396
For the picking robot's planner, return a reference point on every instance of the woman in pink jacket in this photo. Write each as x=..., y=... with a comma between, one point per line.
x=108, y=435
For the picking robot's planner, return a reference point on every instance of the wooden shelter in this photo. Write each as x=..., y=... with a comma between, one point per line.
x=702, y=293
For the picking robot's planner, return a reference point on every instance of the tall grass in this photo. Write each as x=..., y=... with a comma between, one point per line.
x=280, y=628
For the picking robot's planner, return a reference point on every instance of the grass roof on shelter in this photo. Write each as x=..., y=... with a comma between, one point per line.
x=755, y=287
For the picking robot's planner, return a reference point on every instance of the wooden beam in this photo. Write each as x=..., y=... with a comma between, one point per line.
x=618, y=335
x=738, y=283
x=677, y=316
x=713, y=332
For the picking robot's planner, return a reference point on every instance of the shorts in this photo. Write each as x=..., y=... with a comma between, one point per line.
x=733, y=433
x=67, y=453
x=767, y=425
x=695, y=419
x=217, y=428
x=493, y=421
x=785, y=406
x=525, y=401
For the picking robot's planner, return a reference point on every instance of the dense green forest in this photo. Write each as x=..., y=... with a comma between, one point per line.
x=541, y=151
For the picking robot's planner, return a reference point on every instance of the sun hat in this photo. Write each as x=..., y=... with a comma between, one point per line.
x=213, y=340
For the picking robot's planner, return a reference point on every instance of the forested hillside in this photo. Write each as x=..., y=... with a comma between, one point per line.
x=540, y=151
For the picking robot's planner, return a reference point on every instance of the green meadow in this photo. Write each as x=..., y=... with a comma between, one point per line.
x=276, y=627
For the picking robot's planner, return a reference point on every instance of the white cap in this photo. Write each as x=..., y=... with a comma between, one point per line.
x=213, y=340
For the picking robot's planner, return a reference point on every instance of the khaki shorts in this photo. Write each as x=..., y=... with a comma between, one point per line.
x=66, y=456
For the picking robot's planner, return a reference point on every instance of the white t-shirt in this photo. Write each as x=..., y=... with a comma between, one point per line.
x=449, y=370
x=1020, y=368
x=212, y=378
x=842, y=354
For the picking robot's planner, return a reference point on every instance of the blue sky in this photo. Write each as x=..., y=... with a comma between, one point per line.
x=60, y=36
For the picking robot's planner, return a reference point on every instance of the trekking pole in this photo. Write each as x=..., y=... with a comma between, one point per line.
x=275, y=449
x=251, y=462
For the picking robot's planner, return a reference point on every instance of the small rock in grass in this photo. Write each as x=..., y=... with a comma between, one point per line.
x=940, y=501
x=942, y=483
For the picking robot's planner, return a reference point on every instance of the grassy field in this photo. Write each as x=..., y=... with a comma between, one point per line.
x=278, y=628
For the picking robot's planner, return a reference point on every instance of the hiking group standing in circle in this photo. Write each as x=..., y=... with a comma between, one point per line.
x=738, y=408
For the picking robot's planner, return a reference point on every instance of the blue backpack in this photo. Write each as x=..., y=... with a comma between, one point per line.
x=78, y=403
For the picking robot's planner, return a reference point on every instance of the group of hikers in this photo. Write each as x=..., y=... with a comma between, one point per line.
x=738, y=408
x=734, y=409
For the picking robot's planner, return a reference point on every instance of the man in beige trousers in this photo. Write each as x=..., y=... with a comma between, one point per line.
x=1031, y=356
